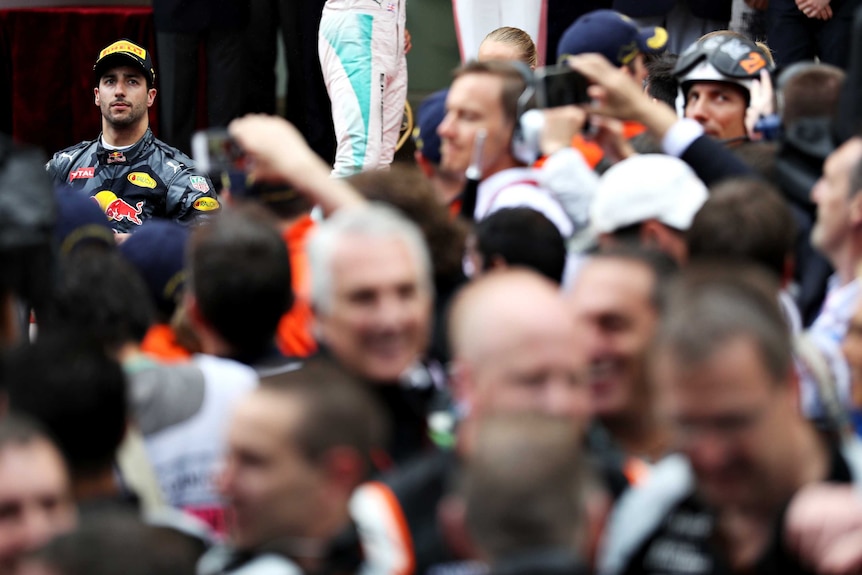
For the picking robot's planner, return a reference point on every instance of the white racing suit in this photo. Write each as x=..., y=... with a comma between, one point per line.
x=474, y=19
x=361, y=44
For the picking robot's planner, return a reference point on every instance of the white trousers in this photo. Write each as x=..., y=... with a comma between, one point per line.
x=361, y=46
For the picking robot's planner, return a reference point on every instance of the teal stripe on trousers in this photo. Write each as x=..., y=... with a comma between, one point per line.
x=350, y=37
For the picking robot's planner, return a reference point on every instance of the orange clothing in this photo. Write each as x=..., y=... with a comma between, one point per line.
x=636, y=470
x=592, y=152
x=161, y=343
x=294, y=337
x=632, y=129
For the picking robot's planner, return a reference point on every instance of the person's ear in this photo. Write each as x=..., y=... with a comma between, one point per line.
x=651, y=233
x=856, y=209
x=654, y=234
x=424, y=164
x=193, y=312
x=461, y=382
x=788, y=270
x=345, y=469
x=497, y=263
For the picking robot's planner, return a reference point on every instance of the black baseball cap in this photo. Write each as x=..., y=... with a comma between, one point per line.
x=123, y=53
x=158, y=251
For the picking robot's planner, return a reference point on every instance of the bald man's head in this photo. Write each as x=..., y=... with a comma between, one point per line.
x=513, y=347
x=491, y=304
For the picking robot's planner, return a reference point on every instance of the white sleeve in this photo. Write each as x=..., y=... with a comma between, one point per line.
x=383, y=531
x=680, y=136
x=572, y=182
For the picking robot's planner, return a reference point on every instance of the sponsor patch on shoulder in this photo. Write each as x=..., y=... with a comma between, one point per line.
x=82, y=173
x=142, y=180
x=206, y=204
x=199, y=183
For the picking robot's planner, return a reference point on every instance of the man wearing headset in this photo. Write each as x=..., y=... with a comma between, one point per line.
x=484, y=97
x=716, y=75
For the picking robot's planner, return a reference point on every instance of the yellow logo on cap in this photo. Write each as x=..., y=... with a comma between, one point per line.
x=417, y=136
x=124, y=46
x=627, y=53
x=206, y=204
x=658, y=40
x=142, y=180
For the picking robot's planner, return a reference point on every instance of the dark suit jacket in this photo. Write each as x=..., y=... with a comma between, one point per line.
x=710, y=9
x=189, y=16
x=713, y=162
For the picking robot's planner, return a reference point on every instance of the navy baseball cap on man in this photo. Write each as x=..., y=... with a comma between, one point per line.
x=432, y=110
x=158, y=251
x=125, y=53
x=613, y=35
x=80, y=222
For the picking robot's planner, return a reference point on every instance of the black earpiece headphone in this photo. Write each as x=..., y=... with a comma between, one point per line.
x=524, y=147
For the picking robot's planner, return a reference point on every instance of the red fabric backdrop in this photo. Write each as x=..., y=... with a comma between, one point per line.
x=47, y=62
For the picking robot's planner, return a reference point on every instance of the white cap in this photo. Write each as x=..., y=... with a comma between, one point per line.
x=647, y=187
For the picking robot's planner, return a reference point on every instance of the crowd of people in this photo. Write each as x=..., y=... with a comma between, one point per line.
x=618, y=336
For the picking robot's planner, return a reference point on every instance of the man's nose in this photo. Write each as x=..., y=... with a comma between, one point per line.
x=224, y=479
x=564, y=397
x=816, y=190
x=390, y=310
x=697, y=110
x=709, y=451
x=445, y=126
x=38, y=528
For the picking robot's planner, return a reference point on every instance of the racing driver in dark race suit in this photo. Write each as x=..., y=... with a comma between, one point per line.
x=128, y=171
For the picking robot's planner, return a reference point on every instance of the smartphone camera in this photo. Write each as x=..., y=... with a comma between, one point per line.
x=558, y=86
x=219, y=156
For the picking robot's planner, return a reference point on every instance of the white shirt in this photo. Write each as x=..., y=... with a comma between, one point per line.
x=187, y=454
x=827, y=332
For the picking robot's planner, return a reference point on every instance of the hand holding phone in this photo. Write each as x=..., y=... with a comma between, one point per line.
x=215, y=152
x=558, y=86
x=219, y=156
